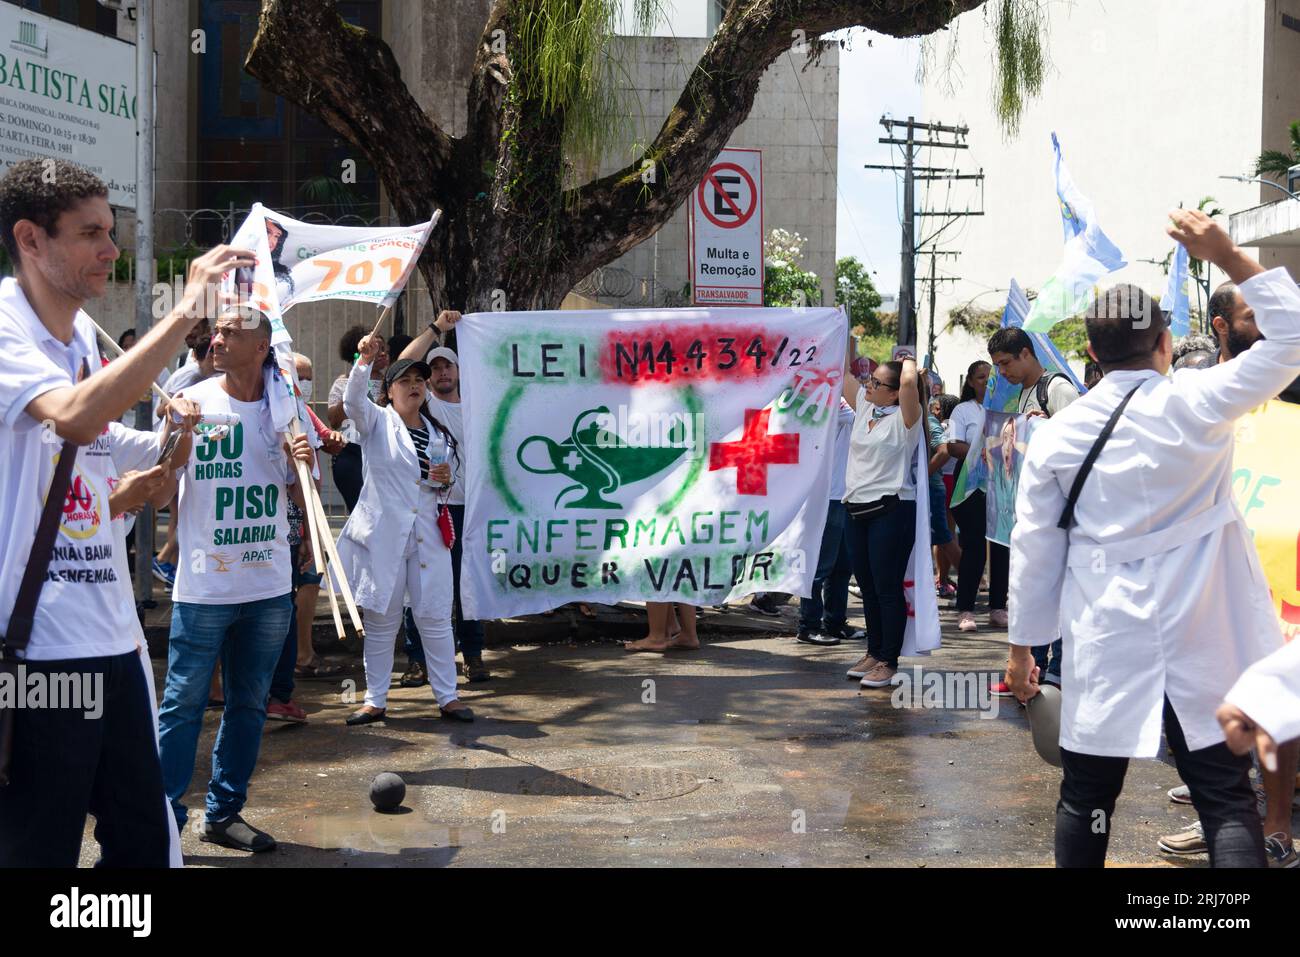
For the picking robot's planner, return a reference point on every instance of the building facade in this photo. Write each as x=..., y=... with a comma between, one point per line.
x=1152, y=103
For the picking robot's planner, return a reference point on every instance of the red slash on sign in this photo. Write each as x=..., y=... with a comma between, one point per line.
x=724, y=211
x=754, y=452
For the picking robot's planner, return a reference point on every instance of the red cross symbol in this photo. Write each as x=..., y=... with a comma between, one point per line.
x=754, y=452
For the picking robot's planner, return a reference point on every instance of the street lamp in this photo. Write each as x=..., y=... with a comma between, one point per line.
x=1266, y=182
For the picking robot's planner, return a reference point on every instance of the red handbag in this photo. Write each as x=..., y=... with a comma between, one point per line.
x=446, y=526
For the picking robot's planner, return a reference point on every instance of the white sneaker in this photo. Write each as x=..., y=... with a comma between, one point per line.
x=966, y=622
x=881, y=676
x=864, y=665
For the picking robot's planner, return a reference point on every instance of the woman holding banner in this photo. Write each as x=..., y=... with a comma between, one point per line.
x=396, y=545
x=881, y=502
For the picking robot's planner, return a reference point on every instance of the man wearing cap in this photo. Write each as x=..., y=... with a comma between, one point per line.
x=1128, y=539
x=444, y=405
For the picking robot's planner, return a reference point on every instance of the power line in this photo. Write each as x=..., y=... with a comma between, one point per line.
x=936, y=136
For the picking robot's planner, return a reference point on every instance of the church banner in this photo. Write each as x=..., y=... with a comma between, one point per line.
x=658, y=455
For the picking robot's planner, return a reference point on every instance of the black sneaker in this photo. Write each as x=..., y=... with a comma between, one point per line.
x=847, y=633
x=764, y=606
x=237, y=833
x=816, y=638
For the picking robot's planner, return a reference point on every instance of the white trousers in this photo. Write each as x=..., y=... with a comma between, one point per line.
x=435, y=636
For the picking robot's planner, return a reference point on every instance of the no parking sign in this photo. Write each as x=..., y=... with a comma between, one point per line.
x=727, y=231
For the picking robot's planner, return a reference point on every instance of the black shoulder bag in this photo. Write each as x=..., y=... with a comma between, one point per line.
x=19, y=632
x=1067, y=516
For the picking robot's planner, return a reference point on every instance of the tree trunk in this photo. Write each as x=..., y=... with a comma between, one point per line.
x=511, y=236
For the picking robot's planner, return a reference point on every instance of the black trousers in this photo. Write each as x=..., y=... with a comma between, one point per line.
x=67, y=765
x=1221, y=794
x=972, y=524
x=348, y=474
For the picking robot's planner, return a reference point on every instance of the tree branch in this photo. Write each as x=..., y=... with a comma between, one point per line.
x=350, y=79
x=611, y=215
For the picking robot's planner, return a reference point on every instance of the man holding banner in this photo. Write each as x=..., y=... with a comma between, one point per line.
x=232, y=595
x=1130, y=547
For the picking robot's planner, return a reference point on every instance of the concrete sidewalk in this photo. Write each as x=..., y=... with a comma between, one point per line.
x=754, y=750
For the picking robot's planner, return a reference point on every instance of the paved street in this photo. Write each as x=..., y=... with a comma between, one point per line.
x=754, y=751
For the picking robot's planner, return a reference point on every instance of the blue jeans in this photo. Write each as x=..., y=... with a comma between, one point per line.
x=469, y=634
x=830, y=587
x=248, y=638
x=881, y=548
x=1045, y=670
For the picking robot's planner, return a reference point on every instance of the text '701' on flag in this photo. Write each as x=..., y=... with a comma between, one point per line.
x=727, y=231
x=659, y=455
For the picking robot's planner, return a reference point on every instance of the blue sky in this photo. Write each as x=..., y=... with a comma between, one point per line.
x=875, y=79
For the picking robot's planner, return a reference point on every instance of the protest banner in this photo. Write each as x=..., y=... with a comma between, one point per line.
x=1006, y=437
x=1001, y=396
x=1266, y=483
x=654, y=455
x=301, y=262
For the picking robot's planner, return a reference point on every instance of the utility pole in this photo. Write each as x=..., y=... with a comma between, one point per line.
x=934, y=281
x=911, y=144
x=144, y=264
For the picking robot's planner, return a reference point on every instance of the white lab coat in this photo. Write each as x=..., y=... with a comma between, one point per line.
x=1157, y=589
x=1269, y=693
x=373, y=544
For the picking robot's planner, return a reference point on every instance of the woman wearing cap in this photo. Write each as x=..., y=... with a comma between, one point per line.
x=393, y=547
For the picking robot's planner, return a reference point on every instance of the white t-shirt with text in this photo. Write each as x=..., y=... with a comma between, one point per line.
x=233, y=507
x=86, y=608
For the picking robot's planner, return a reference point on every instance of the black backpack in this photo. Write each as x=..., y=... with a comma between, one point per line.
x=1040, y=390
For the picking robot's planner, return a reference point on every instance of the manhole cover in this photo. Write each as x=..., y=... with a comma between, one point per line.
x=613, y=784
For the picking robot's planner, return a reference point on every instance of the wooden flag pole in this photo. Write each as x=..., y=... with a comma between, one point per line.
x=382, y=316
x=334, y=603
x=337, y=564
x=117, y=350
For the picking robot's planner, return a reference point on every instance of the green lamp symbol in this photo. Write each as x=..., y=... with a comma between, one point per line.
x=599, y=466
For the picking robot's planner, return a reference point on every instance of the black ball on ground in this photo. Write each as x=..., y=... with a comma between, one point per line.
x=387, y=791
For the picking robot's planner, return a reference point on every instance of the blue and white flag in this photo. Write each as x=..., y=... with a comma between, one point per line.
x=1001, y=395
x=1089, y=255
x=1175, y=301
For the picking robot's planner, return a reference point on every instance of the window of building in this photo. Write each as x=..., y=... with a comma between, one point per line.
x=87, y=14
x=254, y=146
x=717, y=10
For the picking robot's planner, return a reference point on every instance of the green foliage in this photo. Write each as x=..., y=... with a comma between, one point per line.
x=1070, y=335
x=563, y=63
x=329, y=191
x=1019, y=31
x=857, y=293
x=879, y=346
x=1210, y=207
x=1275, y=162
x=1019, y=28
x=785, y=281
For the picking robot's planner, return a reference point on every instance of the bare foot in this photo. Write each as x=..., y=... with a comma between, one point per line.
x=683, y=642
x=647, y=644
